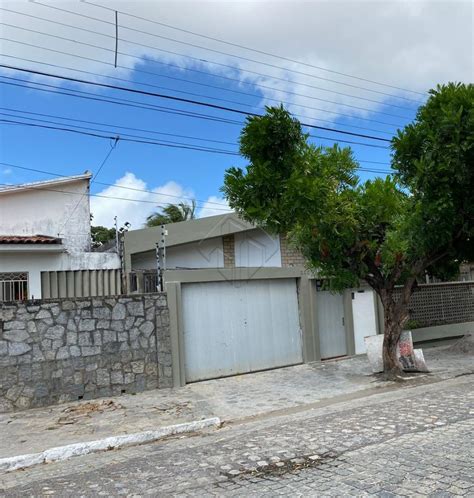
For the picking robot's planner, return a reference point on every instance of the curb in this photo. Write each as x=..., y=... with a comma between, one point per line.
x=60, y=453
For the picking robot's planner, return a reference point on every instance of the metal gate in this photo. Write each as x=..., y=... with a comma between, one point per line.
x=365, y=319
x=331, y=326
x=240, y=326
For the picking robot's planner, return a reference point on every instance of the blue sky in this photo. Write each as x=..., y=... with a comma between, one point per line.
x=188, y=173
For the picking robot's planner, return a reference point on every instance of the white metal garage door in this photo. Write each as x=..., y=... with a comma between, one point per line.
x=237, y=327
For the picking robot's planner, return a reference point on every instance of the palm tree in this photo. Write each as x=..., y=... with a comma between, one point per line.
x=172, y=213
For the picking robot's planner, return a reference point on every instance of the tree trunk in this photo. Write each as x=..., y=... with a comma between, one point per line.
x=392, y=333
x=395, y=316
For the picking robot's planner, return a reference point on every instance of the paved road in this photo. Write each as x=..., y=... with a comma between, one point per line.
x=415, y=441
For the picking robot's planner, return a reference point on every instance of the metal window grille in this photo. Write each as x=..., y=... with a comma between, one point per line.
x=13, y=286
x=442, y=304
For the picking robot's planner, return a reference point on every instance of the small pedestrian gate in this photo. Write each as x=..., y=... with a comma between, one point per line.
x=236, y=327
x=331, y=326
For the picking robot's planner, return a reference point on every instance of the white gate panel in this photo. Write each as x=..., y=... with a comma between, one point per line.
x=365, y=319
x=238, y=327
x=332, y=332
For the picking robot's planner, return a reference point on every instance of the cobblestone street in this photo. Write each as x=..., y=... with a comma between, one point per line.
x=412, y=441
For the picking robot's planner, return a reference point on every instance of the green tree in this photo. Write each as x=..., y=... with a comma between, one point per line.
x=387, y=232
x=101, y=235
x=172, y=213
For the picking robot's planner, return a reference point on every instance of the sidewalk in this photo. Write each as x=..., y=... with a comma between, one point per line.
x=231, y=399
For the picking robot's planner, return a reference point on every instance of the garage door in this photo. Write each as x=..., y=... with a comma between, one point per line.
x=238, y=327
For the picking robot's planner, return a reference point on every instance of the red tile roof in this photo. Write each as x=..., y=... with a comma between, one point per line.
x=29, y=239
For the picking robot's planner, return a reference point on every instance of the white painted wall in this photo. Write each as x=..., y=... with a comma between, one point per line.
x=35, y=263
x=45, y=212
x=205, y=254
x=365, y=318
x=256, y=248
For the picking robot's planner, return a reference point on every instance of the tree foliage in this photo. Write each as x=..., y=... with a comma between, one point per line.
x=383, y=231
x=172, y=213
x=101, y=235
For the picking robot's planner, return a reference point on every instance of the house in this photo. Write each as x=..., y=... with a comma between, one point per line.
x=242, y=300
x=45, y=242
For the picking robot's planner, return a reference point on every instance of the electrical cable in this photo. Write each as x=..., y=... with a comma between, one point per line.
x=198, y=59
x=179, y=99
x=214, y=98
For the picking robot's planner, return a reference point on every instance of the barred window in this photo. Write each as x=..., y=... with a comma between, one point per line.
x=13, y=286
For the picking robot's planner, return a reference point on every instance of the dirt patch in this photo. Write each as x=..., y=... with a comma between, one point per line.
x=75, y=413
x=464, y=345
x=281, y=467
x=180, y=408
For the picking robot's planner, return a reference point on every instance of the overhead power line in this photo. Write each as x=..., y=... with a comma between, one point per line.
x=199, y=60
x=91, y=133
x=202, y=139
x=256, y=50
x=165, y=142
x=95, y=123
x=101, y=196
x=180, y=99
x=338, y=114
x=184, y=68
x=162, y=194
x=136, y=189
x=232, y=55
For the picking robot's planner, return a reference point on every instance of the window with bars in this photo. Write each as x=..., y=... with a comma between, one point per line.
x=13, y=286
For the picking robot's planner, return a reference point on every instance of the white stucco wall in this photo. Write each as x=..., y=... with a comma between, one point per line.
x=35, y=263
x=205, y=254
x=256, y=248
x=47, y=212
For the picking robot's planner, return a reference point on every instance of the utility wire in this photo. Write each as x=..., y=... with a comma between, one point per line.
x=225, y=53
x=95, y=123
x=40, y=187
x=180, y=99
x=183, y=68
x=66, y=118
x=200, y=60
x=84, y=195
x=213, y=98
x=16, y=166
x=171, y=112
x=134, y=189
x=253, y=49
x=166, y=142
x=116, y=100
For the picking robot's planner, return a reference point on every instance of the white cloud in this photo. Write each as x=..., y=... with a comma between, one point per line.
x=139, y=204
x=411, y=44
x=214, y=205
x=7, y=171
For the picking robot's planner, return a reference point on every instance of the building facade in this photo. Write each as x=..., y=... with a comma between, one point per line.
x=44, y=234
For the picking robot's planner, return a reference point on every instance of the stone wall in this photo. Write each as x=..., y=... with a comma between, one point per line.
x=52, y=351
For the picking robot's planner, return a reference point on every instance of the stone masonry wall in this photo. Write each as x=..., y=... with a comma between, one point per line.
x=290, y=256
x=53, y=351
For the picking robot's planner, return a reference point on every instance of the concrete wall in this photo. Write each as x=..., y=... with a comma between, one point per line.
x=36, y=262
x=45, y=211
x=442, y=331
x=63, y=350
x=256, y=248
x=206, y=254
